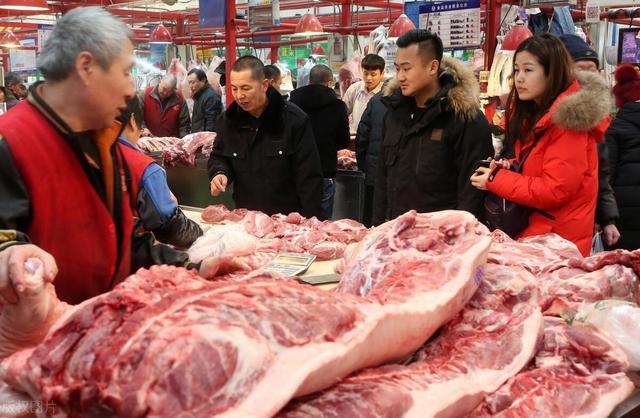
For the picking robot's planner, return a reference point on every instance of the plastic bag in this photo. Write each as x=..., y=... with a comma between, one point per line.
x=620, y=320
x=303, y=73
x=597, y=246
x=376, y=39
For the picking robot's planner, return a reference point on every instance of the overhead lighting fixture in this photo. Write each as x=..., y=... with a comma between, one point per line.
x=9, y=40
x=309, y=25
x=401, y=26
x=160, y=35
x=24, y=5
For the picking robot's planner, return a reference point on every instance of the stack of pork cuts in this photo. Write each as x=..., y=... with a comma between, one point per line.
x=491, y=340
x=156, y=143
x=186, y=149
x=578, y=372
x=166, y=343
x=566, y=279
x=290, y=233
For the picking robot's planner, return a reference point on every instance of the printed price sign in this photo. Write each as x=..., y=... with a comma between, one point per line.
x=457, y=23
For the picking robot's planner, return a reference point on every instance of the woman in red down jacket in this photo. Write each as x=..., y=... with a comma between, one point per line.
x=567, y=113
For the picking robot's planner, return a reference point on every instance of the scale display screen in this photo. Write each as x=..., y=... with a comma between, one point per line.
x=291, y=264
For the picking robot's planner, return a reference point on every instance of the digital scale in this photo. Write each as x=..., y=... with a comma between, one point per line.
x=291, y=264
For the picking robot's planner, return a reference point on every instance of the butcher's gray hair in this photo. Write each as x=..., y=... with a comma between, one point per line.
x=171, y=80
x=90, y=29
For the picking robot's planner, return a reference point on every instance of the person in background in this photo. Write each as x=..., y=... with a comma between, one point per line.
x=555, y=117
x=623, y=140
x=221, y=69
x=15, y=84
x=273, y=74
x=368, y=143
x=434, y=134
x=157, y=208
x=64, y=197
x=358, y=94
x=11, y=80
x=21, y=91
x=330, y=125
x=3, y=94
x=607, y=214
x=265, y=147
x=207, y=105
x=165, y=112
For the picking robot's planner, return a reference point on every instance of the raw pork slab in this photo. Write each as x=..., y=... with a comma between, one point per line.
x=491, y=340
x=570, y=283
x=165, y=343
x=566, y=289
x=578, y=373
x=533, y=253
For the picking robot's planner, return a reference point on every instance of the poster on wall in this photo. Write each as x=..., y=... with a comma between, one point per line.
x=44, y=31
x=456, y=22
x=158, y=55
x=337, y=51
x=23, y=60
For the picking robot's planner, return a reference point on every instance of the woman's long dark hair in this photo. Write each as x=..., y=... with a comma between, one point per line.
x=522, y=115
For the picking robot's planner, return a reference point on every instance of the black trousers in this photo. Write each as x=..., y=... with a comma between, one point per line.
x=368, y=206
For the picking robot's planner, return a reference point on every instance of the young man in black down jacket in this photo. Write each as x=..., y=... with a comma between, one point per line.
x=330, y=124
x=265, y=146
x=368, y=143
x=434, y=134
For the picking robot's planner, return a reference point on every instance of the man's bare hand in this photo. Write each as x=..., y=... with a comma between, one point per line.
x=218, y=185
x=610, y=234
x=12, y=269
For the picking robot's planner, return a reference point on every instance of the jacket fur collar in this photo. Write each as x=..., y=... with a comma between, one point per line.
x=459, y=87
x=586, y=108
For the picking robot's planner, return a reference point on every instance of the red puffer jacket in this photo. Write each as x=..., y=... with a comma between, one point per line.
x=560, y=176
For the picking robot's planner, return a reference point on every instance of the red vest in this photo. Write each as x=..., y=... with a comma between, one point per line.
x=159, y=122
x=68, y=218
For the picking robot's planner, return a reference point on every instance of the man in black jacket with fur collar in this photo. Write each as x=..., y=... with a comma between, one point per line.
x=266, y=147
x=434, y=134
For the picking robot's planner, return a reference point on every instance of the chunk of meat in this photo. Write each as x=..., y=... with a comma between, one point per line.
x=533, y=253
x=578, y=373
x=220, y=213
x=347, y=160
x=491, y=340
x=257, y=224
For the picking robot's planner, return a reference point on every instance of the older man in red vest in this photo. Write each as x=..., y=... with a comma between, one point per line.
x=165, y=111
x=65, y=182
